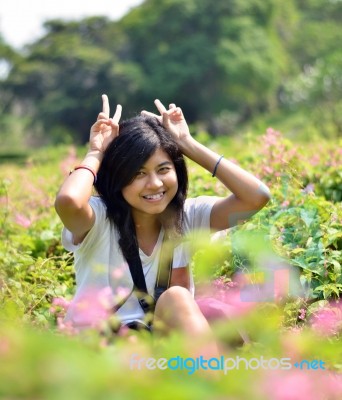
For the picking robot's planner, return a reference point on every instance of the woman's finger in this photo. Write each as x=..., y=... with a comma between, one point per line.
x=117, y=115
x=101, y=121
x=160, y=106
x=166, y=120
x=149, y=114
x=105, y=105
x=172, y=105
x=101, y=115
x=174, y=111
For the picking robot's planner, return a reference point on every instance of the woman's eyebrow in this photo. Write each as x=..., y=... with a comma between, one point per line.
x=164, y=163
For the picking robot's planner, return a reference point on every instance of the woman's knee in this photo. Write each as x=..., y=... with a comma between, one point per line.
x=176, y=308
x=174, y=295
x=176, y=300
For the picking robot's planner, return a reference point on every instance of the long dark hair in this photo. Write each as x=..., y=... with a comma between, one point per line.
x=138, y=139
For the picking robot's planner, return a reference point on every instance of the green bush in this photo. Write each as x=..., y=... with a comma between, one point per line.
x=299, y=231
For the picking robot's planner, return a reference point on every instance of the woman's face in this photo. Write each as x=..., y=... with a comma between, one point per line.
x=153, y=187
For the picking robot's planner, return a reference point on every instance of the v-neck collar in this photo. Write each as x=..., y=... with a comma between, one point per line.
x=144, y=257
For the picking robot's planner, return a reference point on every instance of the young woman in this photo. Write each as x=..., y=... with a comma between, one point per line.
x=141, y=179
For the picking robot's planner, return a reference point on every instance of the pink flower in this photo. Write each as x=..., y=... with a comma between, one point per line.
x=309, y=188
x=224, y=301
x=281, y=283
x=328, y=320
x=22, y=220
x=223, y=283
x=267, y=169
x=61, y=302
x=92, y=308
x=122, y=292
x=59, y=306
x=118, y=273
x=69, y=162
x=314, y=160
x=291, y=385
x=66, y=327
x=334, y=385
x=285, y=203
x=271, y=137
x=297, y=384
x=302, y=314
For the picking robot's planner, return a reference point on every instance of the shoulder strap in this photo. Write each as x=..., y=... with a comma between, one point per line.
x=146, y=301
x=164, y=270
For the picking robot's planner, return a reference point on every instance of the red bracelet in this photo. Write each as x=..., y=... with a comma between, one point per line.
x=88, y=169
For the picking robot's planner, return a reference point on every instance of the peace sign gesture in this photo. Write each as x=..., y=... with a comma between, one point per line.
x=105, y=128
x=173, y=121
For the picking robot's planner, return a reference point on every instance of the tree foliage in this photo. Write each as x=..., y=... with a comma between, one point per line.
x=224, y=62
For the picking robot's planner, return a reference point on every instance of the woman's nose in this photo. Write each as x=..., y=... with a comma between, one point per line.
x=154, y=181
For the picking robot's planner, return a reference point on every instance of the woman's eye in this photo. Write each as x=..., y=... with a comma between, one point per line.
x=164, y=170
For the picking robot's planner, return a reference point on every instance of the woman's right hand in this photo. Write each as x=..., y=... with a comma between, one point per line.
x=105, y=128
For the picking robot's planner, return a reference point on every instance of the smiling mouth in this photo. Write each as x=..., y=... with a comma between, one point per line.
x=156, y=196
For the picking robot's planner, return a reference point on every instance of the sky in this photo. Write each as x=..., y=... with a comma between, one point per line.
x=21, y=20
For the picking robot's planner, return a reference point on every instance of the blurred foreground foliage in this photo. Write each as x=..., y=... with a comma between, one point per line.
x=289, y=256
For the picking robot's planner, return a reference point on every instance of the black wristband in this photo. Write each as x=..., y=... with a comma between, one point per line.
x=218, y=162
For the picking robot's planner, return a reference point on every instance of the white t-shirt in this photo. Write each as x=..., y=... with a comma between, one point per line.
x=99, y=264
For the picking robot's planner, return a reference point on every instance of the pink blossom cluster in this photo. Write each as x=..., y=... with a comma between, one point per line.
x=224, y=283
x=276, y=155
x=302, y=314
x=222, y=299
x=70, y=161
x=297, y=384
x=90, y=310
x=59, y=308
x=327, y=321
x=22, y=220
x=32, y=205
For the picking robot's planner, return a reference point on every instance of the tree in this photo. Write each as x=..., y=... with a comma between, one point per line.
x=223, y=61
x=315, y=50
x=208, y=56
x=61, y=80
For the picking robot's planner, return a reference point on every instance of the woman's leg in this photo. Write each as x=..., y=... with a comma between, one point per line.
x=177, y=310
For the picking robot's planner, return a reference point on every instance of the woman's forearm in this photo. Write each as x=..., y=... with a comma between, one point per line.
x=77, y=188
x=241, y=183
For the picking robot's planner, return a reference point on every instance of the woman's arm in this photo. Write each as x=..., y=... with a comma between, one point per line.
x=72, y=200
x=180, y=277
x=249, y=194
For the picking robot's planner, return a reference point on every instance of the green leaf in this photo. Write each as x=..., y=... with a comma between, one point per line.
x=298, y=250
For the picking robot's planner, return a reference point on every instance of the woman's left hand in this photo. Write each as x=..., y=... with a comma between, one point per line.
x=173, y=121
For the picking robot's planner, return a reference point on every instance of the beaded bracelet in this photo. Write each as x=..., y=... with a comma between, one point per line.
x=218, y=162
x=87, y=168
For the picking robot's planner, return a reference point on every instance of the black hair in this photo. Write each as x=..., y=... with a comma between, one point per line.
x=139, y=137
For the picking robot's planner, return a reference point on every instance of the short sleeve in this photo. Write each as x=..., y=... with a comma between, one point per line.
x=197, y=212
x=100, y=216
x=181, y=256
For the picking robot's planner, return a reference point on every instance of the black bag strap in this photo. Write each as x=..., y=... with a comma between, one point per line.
x=139, y=284
x=146, y=301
